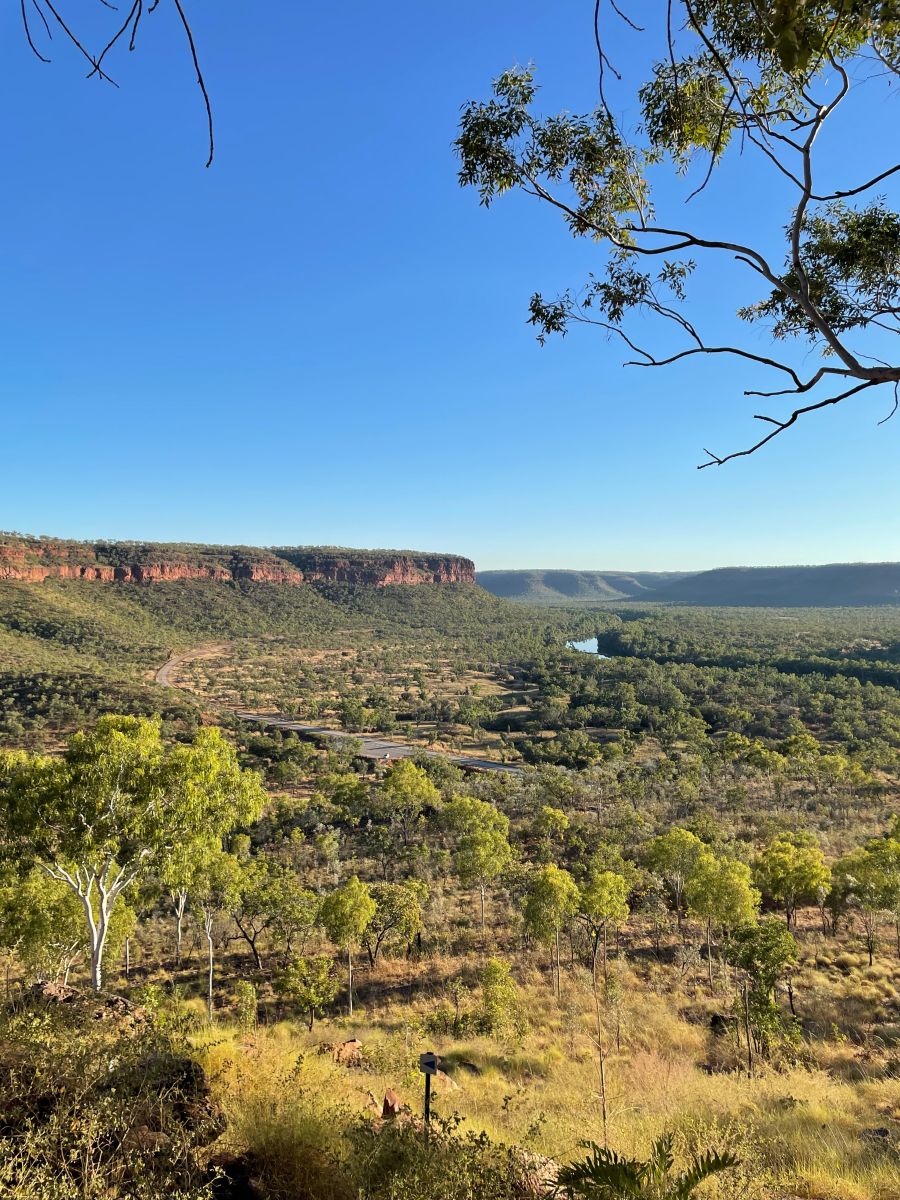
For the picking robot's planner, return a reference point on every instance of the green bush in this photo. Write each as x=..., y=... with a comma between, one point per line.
x=245, y=1004
x=98, y=1102
x=397, y=1162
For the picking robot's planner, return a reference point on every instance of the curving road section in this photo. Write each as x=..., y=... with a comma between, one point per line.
x=375, y=747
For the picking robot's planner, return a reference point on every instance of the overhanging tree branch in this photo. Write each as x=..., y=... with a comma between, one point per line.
x=751, y=72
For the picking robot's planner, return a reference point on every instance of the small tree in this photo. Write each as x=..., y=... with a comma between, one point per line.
x=867, y=879
x=405, y=794
x=216, y=890
x=548, y=830
x=397, y=916
x=720, y=891
x=482, y=851
x=553, y=896
x=344, y=915
x=269, y=897
x=499, y=995
x=176, y=875
x=791, y=870
x=42, y=923
x=765, y=951
x=673, y=857
x=602, y=900
x=310, y=983
x=296, y=912
x=246, y=1003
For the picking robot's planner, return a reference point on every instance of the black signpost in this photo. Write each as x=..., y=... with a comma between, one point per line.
x=428, y=1065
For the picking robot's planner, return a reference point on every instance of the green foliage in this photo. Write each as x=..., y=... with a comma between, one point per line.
x=604, y=898
x=113, y=807
x=246, y=1004
x=765, y=951
x=605, y=1175
x=849, y=256
x=499, y=997
x=482, y=848
x=720, y=890
x=397, y=917
x=92, y=1109
x=346, y=912
x=406, y=794
x=309, y=982
x=773, y=74
x=552, y=897
x=674, y=856
x=791, y=870
x=394, y=1162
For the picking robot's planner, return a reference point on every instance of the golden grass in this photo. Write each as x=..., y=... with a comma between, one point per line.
x=813, y=1131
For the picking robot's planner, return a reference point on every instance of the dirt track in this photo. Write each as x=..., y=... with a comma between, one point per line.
x=164, y=674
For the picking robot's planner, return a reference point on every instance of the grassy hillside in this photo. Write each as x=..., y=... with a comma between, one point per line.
x=70, y=649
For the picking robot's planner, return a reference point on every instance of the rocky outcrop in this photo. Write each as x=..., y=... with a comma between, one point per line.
x=32, y=560
x=402, y=569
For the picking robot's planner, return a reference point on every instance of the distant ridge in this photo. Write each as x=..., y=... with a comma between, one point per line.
x=835, y=585
x=574, y=587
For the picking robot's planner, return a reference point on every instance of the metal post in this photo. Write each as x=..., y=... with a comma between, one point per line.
x=428, y=1065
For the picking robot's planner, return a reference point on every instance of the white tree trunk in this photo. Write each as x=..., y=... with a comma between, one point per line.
x=98, y=928
x=84, y=881
x=179, y=902
x=207, y=929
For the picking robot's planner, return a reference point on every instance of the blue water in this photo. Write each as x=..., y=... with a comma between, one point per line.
x=588, y=646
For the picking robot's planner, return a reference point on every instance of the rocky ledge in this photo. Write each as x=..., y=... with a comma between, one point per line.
x=32, y=560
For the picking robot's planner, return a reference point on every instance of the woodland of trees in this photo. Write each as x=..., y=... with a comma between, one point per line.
x=131, y=858
x=707, y=813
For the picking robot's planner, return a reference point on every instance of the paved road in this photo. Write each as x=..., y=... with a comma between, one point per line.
x=380, y=748
x=372, y=747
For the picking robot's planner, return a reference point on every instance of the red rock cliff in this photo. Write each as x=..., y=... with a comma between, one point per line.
x=32, y=560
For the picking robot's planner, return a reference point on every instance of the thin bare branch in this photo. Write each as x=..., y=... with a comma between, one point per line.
x=628, y=21
x=734, y=350
x=884, y=420
x=200, y=80
x=133, y=15
x=780, y=426
x=75, y=42
x=34, y=48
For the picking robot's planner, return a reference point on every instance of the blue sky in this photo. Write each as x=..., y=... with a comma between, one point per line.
x=322, y=339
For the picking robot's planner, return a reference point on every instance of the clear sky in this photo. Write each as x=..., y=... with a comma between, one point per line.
x=322, y=339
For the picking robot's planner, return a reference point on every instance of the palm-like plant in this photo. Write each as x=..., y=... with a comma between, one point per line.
x=606, y=1175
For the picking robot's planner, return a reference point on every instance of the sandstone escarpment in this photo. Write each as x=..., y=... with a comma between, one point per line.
x=32, y=560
